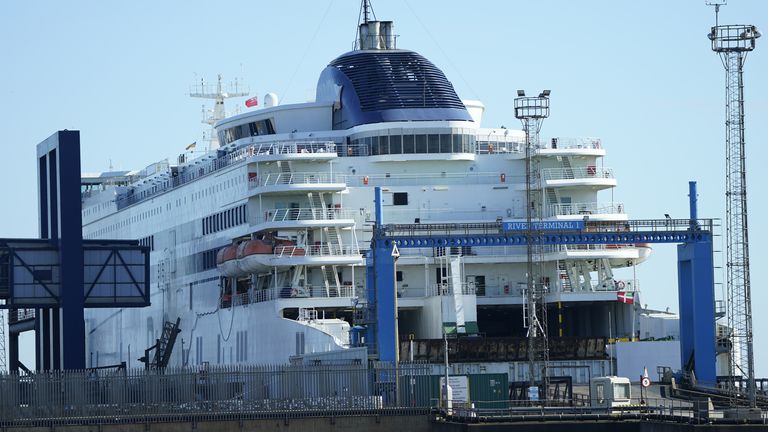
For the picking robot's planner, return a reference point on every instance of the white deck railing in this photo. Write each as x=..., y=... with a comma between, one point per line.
x=584, y=209
x=307, y=214
x=588, y=172
x=282, y=293
x=275, y=179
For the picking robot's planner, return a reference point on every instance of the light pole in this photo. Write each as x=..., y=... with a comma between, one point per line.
x=532, y=110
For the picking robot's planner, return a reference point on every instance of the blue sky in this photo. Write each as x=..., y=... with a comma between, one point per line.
x=640, y=75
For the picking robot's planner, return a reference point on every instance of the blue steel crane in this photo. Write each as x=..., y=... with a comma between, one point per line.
x=694, y=263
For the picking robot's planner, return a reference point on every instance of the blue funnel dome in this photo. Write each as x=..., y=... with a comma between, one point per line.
x=375, y=86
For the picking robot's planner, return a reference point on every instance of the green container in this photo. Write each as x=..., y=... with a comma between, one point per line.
x=489, y=391
x=486, y=391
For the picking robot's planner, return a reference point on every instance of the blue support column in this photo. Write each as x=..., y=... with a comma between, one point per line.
x=382, y=299
x=63, y=341
x=697, y=310
x=384, y=285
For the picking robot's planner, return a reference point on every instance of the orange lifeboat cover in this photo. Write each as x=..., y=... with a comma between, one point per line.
x=227, y=253
x=253, y=247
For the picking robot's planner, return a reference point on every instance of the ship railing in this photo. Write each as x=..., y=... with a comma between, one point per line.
x=575, y=173
x=572, y=143
x=302, y=214
x=289, y=292
x=498, y=143
x=281, y=148
x=315, y=251
x=449, y=289
x=166, y=179
x=597, y=247
x=471, y=251
x=572, y=209
x=276, y=179
x=613, y=285
x=431, y=179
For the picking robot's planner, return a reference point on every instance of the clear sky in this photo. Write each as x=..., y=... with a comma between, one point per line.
x=638, y=74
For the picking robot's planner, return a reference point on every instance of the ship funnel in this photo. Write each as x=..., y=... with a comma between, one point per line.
x=376, y=35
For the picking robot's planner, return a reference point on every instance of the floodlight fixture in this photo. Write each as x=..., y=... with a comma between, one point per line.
x=521, y=93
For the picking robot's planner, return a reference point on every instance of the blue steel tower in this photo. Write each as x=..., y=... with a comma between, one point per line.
x=732, y=43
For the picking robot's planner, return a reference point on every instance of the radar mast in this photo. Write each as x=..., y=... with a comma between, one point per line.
x=216, y=92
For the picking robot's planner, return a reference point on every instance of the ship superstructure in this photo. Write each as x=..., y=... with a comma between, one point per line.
x=258, y=245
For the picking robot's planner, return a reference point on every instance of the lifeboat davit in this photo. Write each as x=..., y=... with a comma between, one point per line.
x=253, y=256
x=226, y=261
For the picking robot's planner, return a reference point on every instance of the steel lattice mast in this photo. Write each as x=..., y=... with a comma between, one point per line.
x=532, y=111
x=732, y=43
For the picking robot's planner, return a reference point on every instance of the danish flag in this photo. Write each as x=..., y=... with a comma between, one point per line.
x=625, y=297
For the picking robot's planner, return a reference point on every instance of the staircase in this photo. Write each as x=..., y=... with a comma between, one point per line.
x=163, y=348
x=564, y=277
x=333, y=238
x=317, y=203
x=331, y=280
x=568, y=169
x=551, y=201
x=285, y=171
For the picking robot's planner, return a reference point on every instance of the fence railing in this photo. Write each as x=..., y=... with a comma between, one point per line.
x=203, y=392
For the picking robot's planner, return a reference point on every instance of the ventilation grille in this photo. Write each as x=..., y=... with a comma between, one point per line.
x=397, y=79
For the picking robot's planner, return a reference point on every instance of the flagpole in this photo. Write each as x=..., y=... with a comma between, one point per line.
x=610, y=336
x=634, y=302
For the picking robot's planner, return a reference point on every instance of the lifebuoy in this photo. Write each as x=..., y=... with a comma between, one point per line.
x=621, y=284
x=365, y=180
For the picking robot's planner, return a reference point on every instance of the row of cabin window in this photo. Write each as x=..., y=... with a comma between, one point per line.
x=260, y=127
x=218, y=187
x=410, y=144
x=207, y=259
x=224, y=220
x=125, y=222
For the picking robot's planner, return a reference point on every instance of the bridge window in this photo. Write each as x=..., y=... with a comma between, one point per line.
x=400, y=198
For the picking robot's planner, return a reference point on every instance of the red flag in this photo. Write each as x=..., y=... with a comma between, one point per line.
x=625, y=297
x=252, y=102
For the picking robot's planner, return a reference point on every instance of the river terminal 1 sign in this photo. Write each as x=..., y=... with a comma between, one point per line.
x=569, y=225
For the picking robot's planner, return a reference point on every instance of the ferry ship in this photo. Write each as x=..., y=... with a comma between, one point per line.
x=258, y=245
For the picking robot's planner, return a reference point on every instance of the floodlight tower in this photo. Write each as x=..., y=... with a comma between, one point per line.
x=532, y=111
x=732, y=43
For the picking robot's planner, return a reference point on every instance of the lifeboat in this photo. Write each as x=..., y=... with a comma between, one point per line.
x=644, y=250
x=226, y=261
x=253, y=256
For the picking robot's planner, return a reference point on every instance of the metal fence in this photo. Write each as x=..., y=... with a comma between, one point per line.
x=212, y=393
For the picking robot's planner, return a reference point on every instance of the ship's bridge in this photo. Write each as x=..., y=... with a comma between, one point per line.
x=373, y=86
